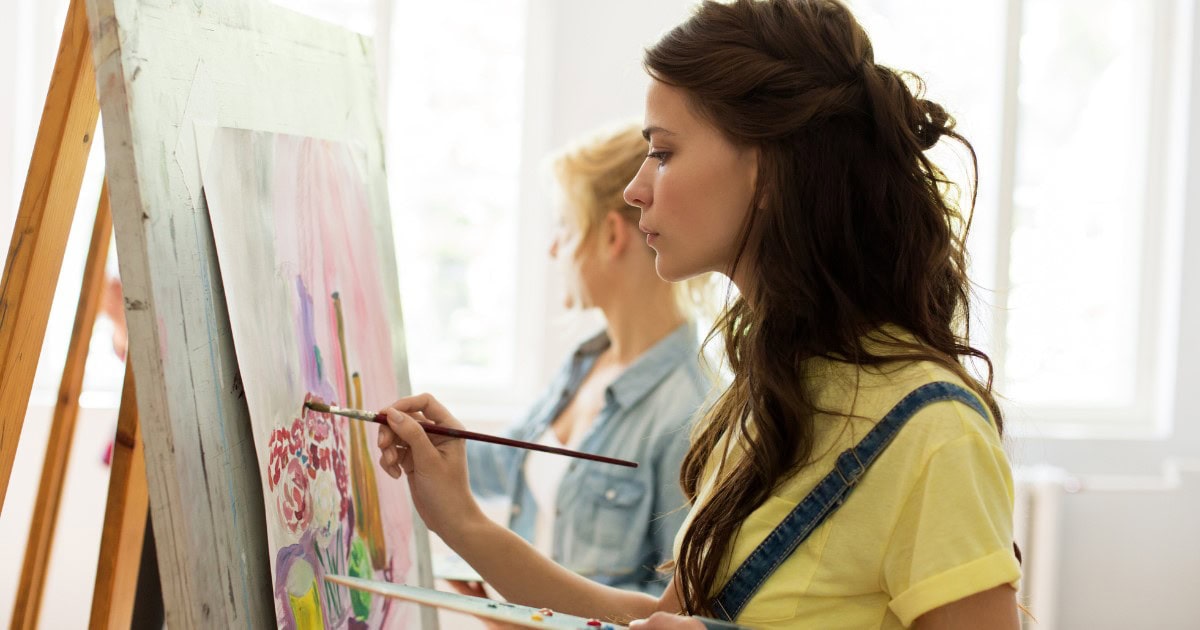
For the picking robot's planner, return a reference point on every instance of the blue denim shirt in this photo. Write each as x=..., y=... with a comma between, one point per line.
x=613, y=524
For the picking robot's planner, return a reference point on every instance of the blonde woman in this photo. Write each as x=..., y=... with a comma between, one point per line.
x=628, y=392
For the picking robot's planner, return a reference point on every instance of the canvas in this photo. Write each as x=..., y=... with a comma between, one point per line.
x=312, y=319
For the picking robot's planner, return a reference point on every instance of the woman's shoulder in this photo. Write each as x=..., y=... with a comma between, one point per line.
x=679, y=396
x=945, y=407
x=671, y=373
x=866, y=394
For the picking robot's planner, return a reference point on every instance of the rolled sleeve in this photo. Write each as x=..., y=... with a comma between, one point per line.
x=953, y=536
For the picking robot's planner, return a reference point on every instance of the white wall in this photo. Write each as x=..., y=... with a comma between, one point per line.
x=1131, y=558
x=584, y=71
x=71, y=576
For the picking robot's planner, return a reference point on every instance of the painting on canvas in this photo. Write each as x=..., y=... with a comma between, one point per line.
x=312, y=319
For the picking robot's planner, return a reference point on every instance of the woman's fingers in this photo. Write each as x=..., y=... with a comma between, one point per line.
x=427, y=407
x=666, y=621
x=420, y=452
x=403, y=433
x=474, y=589
x=405, y=460
x=388, y=460
x=386, y=438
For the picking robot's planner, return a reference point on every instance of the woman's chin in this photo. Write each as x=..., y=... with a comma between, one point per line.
x=673, y=273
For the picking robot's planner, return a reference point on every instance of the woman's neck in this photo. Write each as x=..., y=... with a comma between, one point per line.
x=636, y=323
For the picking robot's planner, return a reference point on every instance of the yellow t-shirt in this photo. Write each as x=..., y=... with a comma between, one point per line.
x=930, y=522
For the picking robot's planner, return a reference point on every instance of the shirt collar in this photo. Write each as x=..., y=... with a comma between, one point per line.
x=644, y=374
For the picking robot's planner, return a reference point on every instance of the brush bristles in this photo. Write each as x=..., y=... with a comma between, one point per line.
x=316, y=406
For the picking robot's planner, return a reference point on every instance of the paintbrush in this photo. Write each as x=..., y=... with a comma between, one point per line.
x=438, y=429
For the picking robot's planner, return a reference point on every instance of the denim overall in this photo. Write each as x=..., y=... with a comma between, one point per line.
x=826, y=498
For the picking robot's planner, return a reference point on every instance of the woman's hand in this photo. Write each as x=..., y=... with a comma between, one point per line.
x=667, y=621
x=476, y=589
x=436, y=466
x=473, y=589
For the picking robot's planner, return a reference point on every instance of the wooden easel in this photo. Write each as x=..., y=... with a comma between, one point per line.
x=30, y=276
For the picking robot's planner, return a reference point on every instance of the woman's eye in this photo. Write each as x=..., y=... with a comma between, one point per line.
x=661, y=156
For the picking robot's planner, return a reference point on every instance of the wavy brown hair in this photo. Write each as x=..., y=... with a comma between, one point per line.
x=852, y=227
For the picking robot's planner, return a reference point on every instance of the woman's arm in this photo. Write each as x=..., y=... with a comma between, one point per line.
x=993, y=609
x=522, y=575
x=437, y=477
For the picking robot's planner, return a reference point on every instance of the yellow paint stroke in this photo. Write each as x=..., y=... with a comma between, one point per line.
x=358, y=398
x=369, y=510
x=341, y=328
x=367, y=518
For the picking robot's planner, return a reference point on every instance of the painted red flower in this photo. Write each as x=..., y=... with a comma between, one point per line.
x=312, y=447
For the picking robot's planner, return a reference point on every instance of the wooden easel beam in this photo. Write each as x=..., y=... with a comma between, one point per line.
x=43, y=223
x=124, y=520
x=62, y=430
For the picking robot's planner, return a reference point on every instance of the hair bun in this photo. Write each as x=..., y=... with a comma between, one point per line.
x=932, y=123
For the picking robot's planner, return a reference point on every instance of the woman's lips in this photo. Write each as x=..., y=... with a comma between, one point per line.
x=651, y=235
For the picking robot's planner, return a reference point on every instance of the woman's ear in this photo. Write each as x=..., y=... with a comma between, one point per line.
x=614, y=234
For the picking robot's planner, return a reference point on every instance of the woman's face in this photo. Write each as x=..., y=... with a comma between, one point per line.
x=572, y=258
x=694, y=189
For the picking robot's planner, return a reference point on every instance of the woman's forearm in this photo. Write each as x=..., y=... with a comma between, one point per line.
x=523, y=576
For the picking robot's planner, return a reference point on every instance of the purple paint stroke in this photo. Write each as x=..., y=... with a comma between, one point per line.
x=284, y=560
x=314, y=379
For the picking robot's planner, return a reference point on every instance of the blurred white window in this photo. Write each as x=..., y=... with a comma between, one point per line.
x=454, y=145
x=451, y=86
x=1076, y=109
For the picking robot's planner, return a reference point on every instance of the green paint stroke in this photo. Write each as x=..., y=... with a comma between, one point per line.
x=360, y=567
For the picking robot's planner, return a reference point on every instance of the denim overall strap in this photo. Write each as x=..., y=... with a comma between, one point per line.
x=828, y=496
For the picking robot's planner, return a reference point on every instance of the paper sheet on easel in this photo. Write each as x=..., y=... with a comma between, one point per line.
x=311, y=318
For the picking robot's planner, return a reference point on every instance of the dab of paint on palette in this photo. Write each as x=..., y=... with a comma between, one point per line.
x=515, y=614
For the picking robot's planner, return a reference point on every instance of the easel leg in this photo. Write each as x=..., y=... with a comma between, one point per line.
x=62, y=430
x=43, y=222
x=124, y=519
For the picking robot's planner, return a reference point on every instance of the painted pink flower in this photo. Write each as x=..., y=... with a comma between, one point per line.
x=293, y=500
x=341, y=477
x=305, y=457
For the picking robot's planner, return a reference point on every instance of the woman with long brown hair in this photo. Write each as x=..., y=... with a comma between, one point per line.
x=852, y=475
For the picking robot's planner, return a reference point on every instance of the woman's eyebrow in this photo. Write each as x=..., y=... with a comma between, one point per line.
x=651, y=130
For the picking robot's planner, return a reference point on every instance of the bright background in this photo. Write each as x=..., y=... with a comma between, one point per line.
x=1086, y=246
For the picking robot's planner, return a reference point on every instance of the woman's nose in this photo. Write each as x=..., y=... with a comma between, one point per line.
x=637, y=193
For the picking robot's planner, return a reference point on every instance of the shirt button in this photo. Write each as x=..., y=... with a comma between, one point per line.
x=610, y=494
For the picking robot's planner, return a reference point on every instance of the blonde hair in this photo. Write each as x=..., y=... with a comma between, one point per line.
x=593, y=173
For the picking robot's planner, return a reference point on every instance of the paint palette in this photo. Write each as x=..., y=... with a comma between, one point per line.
x=514, y=614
